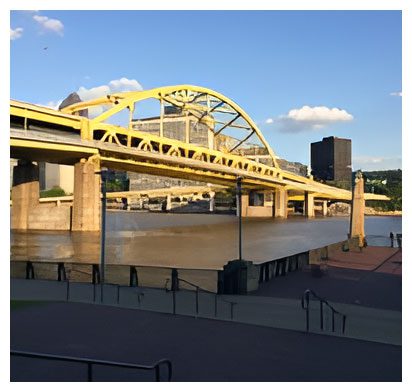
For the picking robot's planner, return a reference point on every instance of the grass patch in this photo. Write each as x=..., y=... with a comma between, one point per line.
x=16, y=304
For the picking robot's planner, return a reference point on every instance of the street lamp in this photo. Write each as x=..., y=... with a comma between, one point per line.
x=104, y=174
x=239, y=203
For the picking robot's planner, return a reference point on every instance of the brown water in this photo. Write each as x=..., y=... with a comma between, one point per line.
x=190, y=240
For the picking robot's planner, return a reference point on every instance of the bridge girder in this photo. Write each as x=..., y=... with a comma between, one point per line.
x=127, y=149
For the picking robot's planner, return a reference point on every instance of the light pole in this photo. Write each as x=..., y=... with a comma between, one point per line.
x=104, y=175
x=239, y=203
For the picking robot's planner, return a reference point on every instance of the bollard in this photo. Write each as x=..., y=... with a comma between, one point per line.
x=61, y=272
x=321, y=315
x=174, y=301
x=68, y=290
x=197, y=301
x=29, y=270
x=391, y=237
x=399, y=240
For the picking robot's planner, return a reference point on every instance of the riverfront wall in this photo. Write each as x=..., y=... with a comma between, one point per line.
x=234, y=278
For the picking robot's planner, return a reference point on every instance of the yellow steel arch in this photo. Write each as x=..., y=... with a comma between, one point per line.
x=127, y=100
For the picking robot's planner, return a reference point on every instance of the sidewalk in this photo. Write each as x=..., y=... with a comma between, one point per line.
x=378, y=325
x=200, y=349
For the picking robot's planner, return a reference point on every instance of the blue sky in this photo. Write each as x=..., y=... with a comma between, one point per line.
x=301, y=75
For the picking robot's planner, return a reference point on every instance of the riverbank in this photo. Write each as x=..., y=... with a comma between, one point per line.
x=343, y=209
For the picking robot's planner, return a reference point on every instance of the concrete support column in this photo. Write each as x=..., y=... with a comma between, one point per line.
x=168, y=202
x=309, y=211
x=281, y=203
x=245, y=205
x=324, y=207
x=24, y=194
x=212, y=201
x=357, y=217
x=86, y=196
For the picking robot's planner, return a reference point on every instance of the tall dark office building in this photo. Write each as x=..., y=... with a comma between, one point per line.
x=331, y=161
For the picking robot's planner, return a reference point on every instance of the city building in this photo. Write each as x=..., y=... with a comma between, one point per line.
x=331, y=161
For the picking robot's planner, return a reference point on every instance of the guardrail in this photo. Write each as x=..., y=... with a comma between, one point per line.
x=305, y=300
x=198, y=289
x=90, y=362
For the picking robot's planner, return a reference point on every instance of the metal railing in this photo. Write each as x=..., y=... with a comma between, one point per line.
x=197, y=290
x=305, y=300
x=140, y=295
x=90, y=362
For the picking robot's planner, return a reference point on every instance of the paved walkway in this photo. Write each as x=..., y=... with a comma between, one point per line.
x=368, y=259
x=200, y=349
x=367, y=280
x=364, y=323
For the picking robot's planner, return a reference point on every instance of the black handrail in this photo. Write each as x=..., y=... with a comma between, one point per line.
x=90, y=362
x=305, y=300
x=198, y=288
x=117, y=286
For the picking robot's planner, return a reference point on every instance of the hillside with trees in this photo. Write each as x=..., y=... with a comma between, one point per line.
x=385, y=182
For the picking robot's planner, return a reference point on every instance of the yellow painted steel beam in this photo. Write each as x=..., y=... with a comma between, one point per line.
x=47, y=115
x=31, y=144
x=128, y=99
x=178, y=191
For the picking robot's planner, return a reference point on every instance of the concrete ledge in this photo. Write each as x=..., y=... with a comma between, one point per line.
x=117, y=274
x=79, y=272
x=205, y=279
x=153, y=276
x=18, y=269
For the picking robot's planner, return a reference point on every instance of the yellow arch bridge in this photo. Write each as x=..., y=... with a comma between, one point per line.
x=183, y=131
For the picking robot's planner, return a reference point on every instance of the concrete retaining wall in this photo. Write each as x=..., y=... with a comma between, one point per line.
x=123, y=275
x=48, y=217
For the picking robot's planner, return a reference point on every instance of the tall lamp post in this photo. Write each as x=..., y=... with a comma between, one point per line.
x=104, y=176
x=239, y=203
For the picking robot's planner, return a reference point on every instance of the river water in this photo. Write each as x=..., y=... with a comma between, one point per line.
x=195, y=241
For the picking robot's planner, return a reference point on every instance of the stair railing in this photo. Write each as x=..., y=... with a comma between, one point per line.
x=90, y=362
x=305, y=301
x=197, y=290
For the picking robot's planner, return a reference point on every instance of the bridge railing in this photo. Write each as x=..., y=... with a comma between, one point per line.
x=90, y=362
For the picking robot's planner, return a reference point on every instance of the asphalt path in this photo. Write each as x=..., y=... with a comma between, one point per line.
x=200, y=349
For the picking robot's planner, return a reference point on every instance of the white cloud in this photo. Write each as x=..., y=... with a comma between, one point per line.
x=310, y=118
x=396, y=94
x=16, y=33
x=269, y=121
x=117, y=85
x=87, y=94
x=124, y=84
x=48, y=24
x=52, y=104
x=370, y=163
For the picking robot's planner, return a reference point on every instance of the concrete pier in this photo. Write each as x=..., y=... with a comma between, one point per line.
x=86, y=201
x=24, y=194
x=281, y=203
x=309, y=209
x=357, y=226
